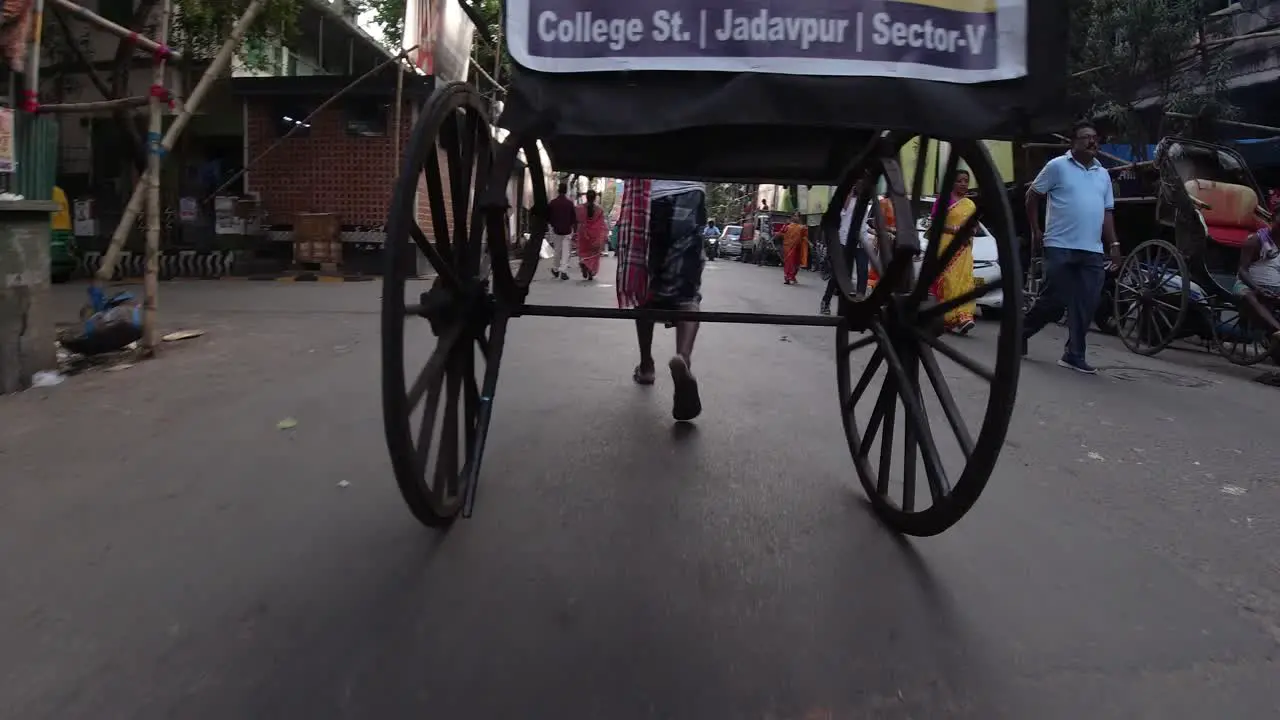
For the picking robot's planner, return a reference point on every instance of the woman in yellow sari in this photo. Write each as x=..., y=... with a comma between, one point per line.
x=957, y=278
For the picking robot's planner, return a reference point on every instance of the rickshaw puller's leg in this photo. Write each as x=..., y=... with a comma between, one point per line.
x=645, y=372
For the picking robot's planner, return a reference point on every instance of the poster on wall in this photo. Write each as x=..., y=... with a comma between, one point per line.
x=226, y=218
x=960, y=41
x=442, y=33
x=6, y=140
x=83, y=223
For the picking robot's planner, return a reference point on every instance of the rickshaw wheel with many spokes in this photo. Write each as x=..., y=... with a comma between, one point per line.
x=1152, y=292
x=451, y=151
x=903, y=330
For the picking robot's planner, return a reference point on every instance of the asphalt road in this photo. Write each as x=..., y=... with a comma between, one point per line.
x=167, y=552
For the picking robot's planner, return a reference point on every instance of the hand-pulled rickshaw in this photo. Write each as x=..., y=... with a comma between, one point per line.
x=1208, y=204
x=819, y=93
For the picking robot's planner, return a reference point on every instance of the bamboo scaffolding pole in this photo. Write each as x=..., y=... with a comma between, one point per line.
x=151, y=274
x=216, y=68
x=306, y=120
x=97, y=105
x=31, y=93
x=395, y=152
x=1229, y=123
x=93, y=18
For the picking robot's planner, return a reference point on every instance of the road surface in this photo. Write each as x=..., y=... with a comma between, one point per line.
x=167, y=552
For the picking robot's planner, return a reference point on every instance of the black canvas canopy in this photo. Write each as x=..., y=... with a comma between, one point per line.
x=762, y=117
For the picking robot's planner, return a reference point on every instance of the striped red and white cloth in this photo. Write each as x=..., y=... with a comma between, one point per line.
x=633, y=244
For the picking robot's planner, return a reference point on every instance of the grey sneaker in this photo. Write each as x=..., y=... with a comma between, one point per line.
x=1079, y=366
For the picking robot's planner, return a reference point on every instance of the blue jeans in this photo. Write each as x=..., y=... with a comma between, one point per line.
x=1073, y=285
x=860, y=262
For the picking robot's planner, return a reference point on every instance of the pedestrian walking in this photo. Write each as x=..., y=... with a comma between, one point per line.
x=591, y=234
x=794, y=238
x=957, y=278
x=660, y=262
x=1078, y=221
x=562, y=217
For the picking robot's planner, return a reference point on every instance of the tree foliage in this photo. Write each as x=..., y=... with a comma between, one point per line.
x=1125, y=53
x=727, y=202
x=201, y=26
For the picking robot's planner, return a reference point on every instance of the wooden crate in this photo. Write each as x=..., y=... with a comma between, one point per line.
x=316, y=239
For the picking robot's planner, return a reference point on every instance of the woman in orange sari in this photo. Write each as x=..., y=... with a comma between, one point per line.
x=794, y=238
x=957, y=278
x=592, y=232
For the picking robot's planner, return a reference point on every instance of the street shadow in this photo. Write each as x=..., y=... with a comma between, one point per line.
x=683, y=431
x=919, y=570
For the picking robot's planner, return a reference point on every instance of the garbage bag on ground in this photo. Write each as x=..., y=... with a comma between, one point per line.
x=112, y=324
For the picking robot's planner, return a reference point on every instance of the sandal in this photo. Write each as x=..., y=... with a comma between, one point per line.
x=644, y=376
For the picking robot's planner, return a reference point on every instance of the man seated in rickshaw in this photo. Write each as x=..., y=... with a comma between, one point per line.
x=1259, y=283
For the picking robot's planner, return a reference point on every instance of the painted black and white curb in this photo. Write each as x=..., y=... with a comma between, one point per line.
x=179, y=263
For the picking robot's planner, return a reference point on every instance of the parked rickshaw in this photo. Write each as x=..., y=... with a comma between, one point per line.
x=1180, y=285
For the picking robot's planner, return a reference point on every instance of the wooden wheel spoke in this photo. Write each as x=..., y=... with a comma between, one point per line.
x=447, y=466
x=434, y=369
x=435, y=199
x=886, y=444
x=946, y=399
x=861, y=343
x=1127, y=288
x=444, y=269
x=480, y=182
x=884, y=405
x=917, y=423
x=1135, y=310
x=956, y=356
x=865, y=380
x=459, y=154
x=917, y=174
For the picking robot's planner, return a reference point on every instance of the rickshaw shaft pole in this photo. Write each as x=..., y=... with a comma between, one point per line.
x=665, y=316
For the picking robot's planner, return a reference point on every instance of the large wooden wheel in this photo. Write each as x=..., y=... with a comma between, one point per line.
x=908, y=374
x=1241, y=338
x=1153, y=290
x=436, y=413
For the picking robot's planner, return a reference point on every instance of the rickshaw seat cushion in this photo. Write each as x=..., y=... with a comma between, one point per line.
x=1230, y=236
x=1230, y=205
x=1231, y=214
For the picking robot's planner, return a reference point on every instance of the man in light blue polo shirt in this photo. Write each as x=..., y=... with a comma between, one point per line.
x=1079, y=218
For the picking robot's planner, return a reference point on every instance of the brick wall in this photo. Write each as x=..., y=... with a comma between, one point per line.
x=325, y=171
x=331, y=171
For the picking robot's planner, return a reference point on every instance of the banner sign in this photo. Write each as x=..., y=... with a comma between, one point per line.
x=442, y=33
x=959, y=41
